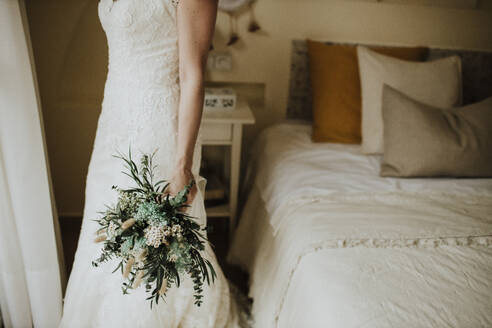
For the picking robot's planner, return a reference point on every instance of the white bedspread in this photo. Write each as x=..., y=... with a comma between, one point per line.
x=329, y=243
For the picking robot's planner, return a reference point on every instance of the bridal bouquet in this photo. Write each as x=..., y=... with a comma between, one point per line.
x=153, y=239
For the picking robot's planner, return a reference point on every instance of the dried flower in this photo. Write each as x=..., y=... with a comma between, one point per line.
x=127, y=224
x=138, y=279
x=128, y=267
x=142, y=254
x=100, y=238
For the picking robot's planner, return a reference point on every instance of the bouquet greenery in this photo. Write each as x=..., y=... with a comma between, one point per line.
x=151, y=236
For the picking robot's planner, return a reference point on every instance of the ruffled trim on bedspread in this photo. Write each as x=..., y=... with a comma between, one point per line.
x=470, y=241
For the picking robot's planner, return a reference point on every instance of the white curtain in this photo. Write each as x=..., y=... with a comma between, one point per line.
x=30, y=270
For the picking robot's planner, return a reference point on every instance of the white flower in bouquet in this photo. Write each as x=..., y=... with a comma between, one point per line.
x=154, y=236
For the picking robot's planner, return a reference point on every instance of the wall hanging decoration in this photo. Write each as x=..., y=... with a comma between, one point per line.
x=235, y=8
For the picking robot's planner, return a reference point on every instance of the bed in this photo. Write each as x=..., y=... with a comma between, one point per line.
x=328, y=242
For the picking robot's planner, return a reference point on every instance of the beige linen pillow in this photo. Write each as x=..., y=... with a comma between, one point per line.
x=425, y=141
x=436, y=83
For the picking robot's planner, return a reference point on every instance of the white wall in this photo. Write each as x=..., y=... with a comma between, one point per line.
x=265, y=57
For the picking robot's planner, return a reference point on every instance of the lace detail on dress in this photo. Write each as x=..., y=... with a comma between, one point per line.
x=139, y=110
x=141, y=95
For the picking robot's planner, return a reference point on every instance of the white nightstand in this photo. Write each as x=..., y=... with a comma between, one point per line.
x=224, y=128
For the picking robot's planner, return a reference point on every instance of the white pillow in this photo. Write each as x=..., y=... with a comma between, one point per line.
x=436, y=83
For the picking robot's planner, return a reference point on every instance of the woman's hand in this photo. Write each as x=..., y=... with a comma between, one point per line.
x=180, y=179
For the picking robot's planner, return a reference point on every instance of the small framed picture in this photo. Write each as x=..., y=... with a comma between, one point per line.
x=219, y=98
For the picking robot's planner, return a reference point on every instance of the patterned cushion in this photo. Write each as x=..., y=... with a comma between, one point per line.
x=476, y=66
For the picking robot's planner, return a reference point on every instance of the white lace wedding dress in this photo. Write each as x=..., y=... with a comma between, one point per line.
x=139, y=110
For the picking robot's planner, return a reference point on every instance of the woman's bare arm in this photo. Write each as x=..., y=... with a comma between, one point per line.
x=196, y=23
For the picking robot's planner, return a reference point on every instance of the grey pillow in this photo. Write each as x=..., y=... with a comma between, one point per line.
x=436, y=83
x=424, y=141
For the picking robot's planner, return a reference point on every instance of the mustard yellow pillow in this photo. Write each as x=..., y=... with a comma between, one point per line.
x=335, y=83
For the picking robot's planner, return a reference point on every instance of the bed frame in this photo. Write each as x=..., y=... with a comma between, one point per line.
x=477, y=77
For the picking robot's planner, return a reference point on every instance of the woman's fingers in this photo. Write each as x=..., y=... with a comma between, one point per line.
x=171, y=191
x=180, y=181
x=191, y=195
x=189, y=200
x=164, y=194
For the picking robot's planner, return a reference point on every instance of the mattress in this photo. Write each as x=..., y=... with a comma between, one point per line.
x=327, y=242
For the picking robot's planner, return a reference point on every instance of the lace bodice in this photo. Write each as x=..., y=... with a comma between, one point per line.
x=142, y=87
x=142, y=39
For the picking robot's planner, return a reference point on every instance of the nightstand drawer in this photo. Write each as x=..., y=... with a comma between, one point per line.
x=216, y=132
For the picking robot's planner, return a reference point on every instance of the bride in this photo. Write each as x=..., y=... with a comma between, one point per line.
x=152, y=99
